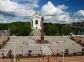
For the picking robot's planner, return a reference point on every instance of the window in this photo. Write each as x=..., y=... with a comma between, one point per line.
x=36, y=22
x=36, y=27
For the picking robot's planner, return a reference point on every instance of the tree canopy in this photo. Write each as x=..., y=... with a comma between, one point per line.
x=57, y=29
x=50, y=29
x=24, y=28
x=20, y=28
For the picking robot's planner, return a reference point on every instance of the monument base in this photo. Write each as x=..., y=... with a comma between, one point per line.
x=42, y=41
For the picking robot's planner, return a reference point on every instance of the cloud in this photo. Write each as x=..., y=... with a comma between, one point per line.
x=31, y=1
x=22, y=10
x=7, y=19
x=56, y=14
x=62, y=6
x=13, y=8
x=2, y=19
x=80, y=13
x=50, y=9
x=8, y=6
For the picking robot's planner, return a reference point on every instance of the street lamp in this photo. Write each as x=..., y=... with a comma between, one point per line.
x=63, y=49
x=14, y=53
x=63, y=53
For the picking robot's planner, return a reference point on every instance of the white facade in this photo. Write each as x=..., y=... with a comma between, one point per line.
x=36, y=22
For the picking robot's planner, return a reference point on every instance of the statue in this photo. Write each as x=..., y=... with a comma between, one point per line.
x=42, y=33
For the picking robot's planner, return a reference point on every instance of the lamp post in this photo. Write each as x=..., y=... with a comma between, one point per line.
x=63, y=53
x=15, y=50
x=63, y=49
x=14, y=53
x=22, y=53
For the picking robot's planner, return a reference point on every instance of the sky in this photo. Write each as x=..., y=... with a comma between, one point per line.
x=56, y=11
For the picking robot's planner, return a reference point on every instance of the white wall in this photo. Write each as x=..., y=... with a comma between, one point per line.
x=36, y=25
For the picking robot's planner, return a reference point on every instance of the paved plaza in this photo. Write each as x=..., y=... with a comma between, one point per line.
x=20, y=45
x=51, y=59
x=56, y=44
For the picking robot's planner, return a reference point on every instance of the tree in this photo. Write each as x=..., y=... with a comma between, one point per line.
x=82, y=50
x=21, y=28
x=50, y=29
x=65, y=29
x=10, y=54
x=6, y=25
x=66, y=51
x=3, y=55
x=30, y=51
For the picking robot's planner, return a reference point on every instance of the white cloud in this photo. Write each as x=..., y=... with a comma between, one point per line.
x=31, y=1
x=62, y=17
x=62, y=6
x=50, y=9
x=80, y=13
x=7, y=19
x=8, y=6
x=11, y=7
x=57, y=14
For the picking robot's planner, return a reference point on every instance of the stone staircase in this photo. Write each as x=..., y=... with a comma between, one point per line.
x=3, y=41
x=36, y=32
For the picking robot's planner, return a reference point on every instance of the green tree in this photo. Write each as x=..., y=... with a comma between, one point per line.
x=3, y=56
x=21, y=28
x=30, y=51
x=82, y=50
x=10, y=54
x=64, y=30
x=50, y=29
x=66, y=51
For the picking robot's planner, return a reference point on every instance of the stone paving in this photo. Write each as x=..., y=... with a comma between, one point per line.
x=55, y=45
x=50, y=59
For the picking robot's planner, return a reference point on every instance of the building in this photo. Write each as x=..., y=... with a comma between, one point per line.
x=78, y=24
x=4, y=32
x=78, y=27
x=36, y=22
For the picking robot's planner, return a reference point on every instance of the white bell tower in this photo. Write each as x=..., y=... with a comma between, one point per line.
x=36, y=22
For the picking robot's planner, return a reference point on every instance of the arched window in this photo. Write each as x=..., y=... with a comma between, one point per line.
x=36, y=27
x=36, y=22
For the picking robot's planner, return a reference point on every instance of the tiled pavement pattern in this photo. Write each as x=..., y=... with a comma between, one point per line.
x=25, y=43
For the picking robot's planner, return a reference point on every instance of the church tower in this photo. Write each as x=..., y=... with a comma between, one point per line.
x=36, y=22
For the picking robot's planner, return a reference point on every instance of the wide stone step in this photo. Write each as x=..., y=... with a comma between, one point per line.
x=46, y=50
